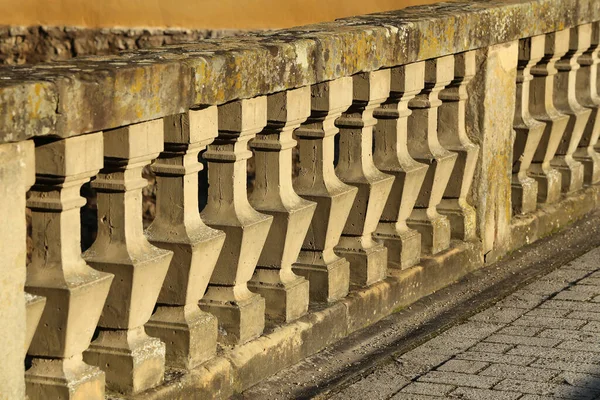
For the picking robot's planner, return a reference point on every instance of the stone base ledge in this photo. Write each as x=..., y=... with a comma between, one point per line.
x=237, y=369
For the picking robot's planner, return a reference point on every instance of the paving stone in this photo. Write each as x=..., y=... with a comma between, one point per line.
x=483, y=394
x=522, y=299
x=496, y=358
x=573, y=295
x=463, y=366
x=432, y=389
x=571, y=305
x=474, y=329
x=485, y=347
x=521, y=330
x=596, y=299
x=590, y=281
x=499, y=314
x=580, y=346
x=553, y=353
x=519, y=372
x=380, y=385
x=545, y=288
x=572, y=366
x=546, y=322
x=592, y=326
x=545, y=389
x=579, y=379
x=446, y=344
x=590, y=316
x=412, y=396
x=529, y=341
x=594, y=290
x=565, y=334
x=548, y=312
x=457, y=379
x=566, y=274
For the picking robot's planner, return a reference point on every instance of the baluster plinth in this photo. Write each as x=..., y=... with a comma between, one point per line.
x=74, y=292
x=588, y=96
x=367, y=257
x=391, y=156
x=327, y=273
x=453, y=136
x=565, y=100
x=541, y=106
x=190, y=334
x=132, y=360
x=286, y=294
x=528, y=131
x=240, y=312
x=424, y=146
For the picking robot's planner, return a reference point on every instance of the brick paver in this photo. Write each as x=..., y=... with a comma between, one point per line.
x=541, y=342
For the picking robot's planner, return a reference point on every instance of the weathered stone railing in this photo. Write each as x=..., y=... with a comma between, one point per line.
x=465, y=129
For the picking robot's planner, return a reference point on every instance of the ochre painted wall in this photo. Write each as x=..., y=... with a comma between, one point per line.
x=200, y=14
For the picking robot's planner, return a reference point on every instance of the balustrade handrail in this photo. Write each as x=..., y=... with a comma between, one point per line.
x=88, y=94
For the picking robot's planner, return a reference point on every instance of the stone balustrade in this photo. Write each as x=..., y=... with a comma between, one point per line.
x=389, y=155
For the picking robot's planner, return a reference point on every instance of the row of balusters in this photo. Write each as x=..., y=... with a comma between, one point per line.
x=397, y=187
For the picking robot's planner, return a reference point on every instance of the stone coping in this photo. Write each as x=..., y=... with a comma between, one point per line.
x=239, y=368
x=90, y=94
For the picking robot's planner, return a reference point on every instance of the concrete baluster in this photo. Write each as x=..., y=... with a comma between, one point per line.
x=453, y=136
x=240, y=312
x=528, y=131
x=75, y=293
x=392, y=157
x=190, y=334
x=286, y=294
x=424, y=146
x=132, y=360
x=565, y=100
x=327, y=273
x=367, y=257
x=588, y=96
x=541, y=106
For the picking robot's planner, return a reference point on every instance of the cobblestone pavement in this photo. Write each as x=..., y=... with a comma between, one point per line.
x=541, y=342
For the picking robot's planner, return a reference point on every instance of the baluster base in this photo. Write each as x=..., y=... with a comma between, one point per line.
x=329, y=282
x=524, y=194
x=549, y=183
x=64, y=379
x=132, y=360
x=284, y=302
x=435, y=230
x=190, y=335
x=403, y=248
x=239, y=320
x=571, y=173
x=591, y=165
x=462, y=218
x=34, y=306
x=368, y=261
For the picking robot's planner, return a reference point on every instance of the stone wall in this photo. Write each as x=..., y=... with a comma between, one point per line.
x=35, y=44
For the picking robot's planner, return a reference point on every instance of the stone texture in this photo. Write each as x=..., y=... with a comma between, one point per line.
x=17, y=173
x=452, y=132
x=565, y=100
x=542, y=105
x=355, y=167
x=189, y=334
x=491, y=110
x=328, y=274
x=240, y=312
x=392, y=157
x=424, y=146
x=132, y=360
x=126, y=88
x=286, y=294
x=528, y=131
x=74, y=292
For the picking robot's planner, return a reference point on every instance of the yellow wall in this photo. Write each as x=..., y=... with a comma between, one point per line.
x=203, y=14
